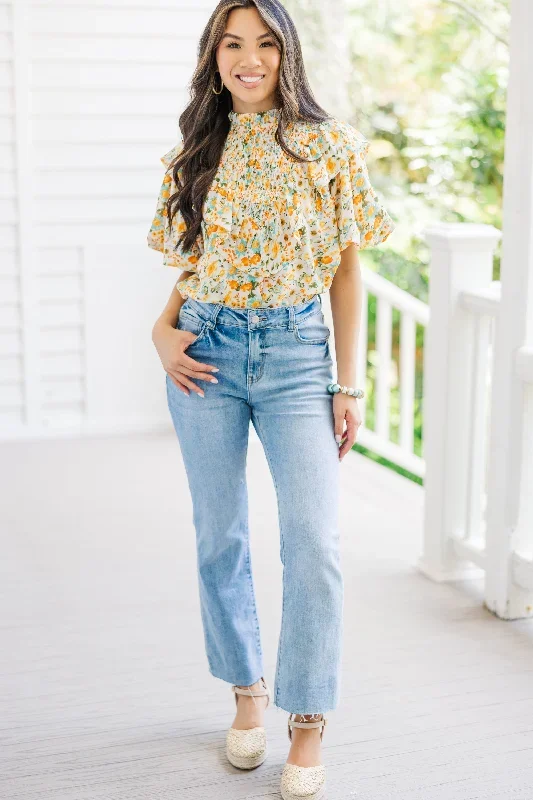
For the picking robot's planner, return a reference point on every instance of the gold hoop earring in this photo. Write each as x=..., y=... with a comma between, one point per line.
x=221, y=85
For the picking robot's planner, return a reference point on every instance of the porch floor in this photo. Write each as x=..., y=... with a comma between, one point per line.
x=105, y=693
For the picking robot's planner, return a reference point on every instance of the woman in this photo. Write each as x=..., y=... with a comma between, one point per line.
x=264, y=202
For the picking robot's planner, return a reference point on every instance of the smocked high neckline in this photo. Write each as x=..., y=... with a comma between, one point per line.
x=248, y=118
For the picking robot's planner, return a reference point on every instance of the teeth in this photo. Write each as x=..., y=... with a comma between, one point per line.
x=251, y=80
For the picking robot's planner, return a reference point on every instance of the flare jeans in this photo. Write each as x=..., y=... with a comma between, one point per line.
x=274, y=367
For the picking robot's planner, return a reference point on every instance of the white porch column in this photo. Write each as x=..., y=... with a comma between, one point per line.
x=509, y=523
x=461, y=260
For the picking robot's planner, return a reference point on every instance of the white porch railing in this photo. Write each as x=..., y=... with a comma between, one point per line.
x=459, y=537
x=462, y=535
x=393, y=372
x=470, y=447
x=413, y=312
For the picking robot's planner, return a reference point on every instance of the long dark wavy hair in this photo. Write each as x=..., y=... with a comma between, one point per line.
x=204, y=124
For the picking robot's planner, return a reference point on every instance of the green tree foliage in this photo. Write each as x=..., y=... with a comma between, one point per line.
x=428, y=89
x=427, y=86
x=429, y=79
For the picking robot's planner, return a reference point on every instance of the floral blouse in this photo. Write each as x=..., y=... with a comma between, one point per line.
x=273, y=228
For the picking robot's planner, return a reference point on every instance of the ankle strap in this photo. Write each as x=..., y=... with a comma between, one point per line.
x=253, y=692
x=250, y=692
x=291, y=723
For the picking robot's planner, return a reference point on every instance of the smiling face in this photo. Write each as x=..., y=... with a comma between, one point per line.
x=248, y=59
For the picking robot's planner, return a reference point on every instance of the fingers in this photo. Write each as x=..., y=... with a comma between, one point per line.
x=345, y=438
x=176, y=379
x=179, y=374
x=182, y=366
x=184, y=383
x=186, y=339
x=196, y=374
x=195, y=366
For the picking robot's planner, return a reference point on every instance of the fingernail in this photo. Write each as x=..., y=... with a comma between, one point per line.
x=201, y=394
x=214, y=380
x=215, y=369
x=337, y=437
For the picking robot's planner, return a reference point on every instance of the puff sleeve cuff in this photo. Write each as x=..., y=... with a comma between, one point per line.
x=160, y=237
x=361, y=217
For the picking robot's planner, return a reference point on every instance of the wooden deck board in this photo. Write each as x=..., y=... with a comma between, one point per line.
x=105, y=693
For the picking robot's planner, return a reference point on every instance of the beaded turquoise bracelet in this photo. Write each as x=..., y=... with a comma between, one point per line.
x=333, y=388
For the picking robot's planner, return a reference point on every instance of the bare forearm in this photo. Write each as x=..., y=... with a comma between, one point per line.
x=170, y=313
x=345, y=297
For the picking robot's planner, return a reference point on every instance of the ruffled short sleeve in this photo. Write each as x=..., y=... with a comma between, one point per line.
x=360, y=215
x=160, y=237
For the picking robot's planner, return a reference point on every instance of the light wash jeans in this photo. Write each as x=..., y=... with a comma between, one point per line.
x=274, y=367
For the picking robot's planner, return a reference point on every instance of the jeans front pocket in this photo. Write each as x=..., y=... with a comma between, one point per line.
x=312, y=329
x=189, y=320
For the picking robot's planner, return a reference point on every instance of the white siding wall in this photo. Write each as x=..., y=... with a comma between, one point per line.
x=11, y=361
x=90, y=96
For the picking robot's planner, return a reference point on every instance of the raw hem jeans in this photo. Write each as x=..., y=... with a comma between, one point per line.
x=274, y=367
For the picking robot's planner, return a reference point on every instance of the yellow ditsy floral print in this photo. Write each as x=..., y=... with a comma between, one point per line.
x=273, y=229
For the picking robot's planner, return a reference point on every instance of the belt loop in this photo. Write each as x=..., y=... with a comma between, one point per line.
x=212, y=322
x=291, y=318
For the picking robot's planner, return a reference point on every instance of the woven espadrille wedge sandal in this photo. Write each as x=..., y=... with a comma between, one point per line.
x=297, y=782
x=247, y=749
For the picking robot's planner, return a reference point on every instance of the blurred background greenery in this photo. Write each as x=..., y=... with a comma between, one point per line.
x=427, y=86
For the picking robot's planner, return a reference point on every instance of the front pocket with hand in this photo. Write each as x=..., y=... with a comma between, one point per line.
x=189, y=321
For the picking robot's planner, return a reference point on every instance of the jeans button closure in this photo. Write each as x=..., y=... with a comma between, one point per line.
x=255, y=318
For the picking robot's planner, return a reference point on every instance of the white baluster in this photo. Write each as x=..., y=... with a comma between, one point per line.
x=461, y=259
x=362, y=351
x=478, y=434
x=407, y=380
x=383, y=377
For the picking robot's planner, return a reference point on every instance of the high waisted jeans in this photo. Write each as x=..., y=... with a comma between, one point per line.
x=274, y=367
